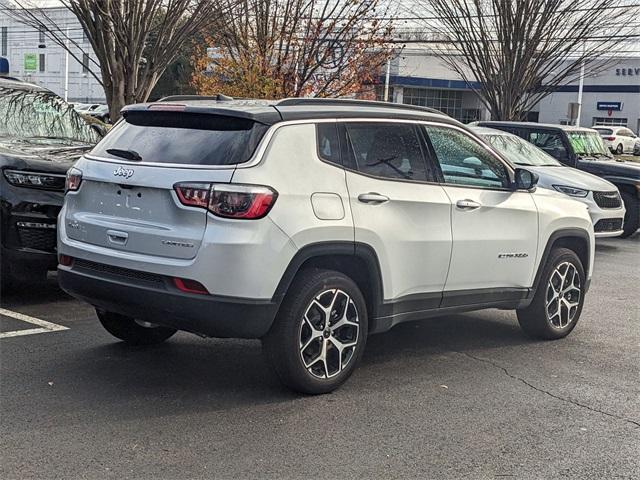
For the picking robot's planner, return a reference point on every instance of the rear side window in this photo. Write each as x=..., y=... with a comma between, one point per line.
x=183, y=138
x=386, y=150
x=550, y=141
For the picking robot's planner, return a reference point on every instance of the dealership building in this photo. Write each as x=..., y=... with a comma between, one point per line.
x=611, y=96
x=34, y=57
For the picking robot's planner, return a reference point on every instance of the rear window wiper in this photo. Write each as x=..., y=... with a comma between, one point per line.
x=126, y=154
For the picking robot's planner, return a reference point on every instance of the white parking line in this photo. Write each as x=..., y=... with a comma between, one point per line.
x=43, y=324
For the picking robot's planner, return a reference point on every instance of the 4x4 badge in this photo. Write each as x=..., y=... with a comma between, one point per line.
x=123, y=172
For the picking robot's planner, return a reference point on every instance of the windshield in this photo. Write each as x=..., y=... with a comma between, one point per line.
x=520, y=151
x=604, y=131
x=28, y=114
x=587, y=143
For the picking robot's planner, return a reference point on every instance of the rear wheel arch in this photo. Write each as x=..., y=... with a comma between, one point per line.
x=356, y=260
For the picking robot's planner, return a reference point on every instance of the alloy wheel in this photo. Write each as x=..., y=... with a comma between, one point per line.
x=563, y=295
x=328, y=333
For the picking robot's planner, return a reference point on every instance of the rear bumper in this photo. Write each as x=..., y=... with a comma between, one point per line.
x=161, y=304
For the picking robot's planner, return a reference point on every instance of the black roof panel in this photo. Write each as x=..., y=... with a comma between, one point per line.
x=270, y=112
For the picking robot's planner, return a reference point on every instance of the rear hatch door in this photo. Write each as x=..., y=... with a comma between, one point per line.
x=127, y=200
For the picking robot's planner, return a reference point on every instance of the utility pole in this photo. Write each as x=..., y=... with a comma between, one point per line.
x=66, y=65
x=386, y=81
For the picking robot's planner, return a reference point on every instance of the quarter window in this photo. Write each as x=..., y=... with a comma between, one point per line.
x=328, y=144
x=463, y=161
x=387, y=150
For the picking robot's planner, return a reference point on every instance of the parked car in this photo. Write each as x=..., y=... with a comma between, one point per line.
x=310, y=224
x=582, y=148
x=617, y=139
x=600, y=196
x=101, y=112
x=41, y=136
x=85, y=108
x=636, y=148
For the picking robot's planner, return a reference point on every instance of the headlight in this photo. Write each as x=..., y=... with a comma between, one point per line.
x=571, y=191
x=46, y=181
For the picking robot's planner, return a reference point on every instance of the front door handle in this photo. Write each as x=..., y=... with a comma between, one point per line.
x=467, y=204
x=372, y=197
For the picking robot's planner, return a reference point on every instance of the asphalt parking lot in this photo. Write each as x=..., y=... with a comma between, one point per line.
x=465, y=396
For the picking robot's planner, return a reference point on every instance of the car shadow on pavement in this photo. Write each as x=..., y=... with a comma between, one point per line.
x=452, y=333
x=35, y=294
x=187, y=374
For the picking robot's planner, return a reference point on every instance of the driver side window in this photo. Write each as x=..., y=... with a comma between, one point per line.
x=464, y=161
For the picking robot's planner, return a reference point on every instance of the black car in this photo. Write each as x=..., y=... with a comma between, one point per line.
x=582, y=148
x=41, y=136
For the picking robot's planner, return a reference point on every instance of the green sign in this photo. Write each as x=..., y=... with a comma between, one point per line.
x=30, y=62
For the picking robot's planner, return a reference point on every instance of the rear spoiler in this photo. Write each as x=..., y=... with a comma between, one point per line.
x=266, y=115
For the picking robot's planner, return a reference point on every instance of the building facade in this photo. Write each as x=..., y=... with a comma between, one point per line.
x=611, y=96
x=35, y=58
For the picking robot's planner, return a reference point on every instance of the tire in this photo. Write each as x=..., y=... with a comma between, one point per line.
x=302, y=347
x=619, y=149
x=130, y=331
x=632, y=216
x=541, y=322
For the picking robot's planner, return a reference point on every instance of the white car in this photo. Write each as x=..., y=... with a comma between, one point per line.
x=85, y=108
x=601, y=197
x=310, y=223
x=618, y=139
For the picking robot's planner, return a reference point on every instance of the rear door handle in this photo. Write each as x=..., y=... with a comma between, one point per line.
x=372, y=197
x=467, y=204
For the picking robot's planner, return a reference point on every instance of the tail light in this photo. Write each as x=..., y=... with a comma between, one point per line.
x=74, y=179
x=248, y=202
x=611, y=139
x=65, y=260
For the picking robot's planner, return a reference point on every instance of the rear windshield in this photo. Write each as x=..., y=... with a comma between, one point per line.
x=183, y=138
x=604, y=131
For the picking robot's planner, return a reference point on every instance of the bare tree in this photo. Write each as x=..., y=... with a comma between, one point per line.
x=291, y=48
x=133, y=40
x=520, y=51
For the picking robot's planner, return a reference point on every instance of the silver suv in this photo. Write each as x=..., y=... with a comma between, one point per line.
x=311, y=224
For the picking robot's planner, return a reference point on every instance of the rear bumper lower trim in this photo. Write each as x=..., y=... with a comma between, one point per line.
x=201, y=314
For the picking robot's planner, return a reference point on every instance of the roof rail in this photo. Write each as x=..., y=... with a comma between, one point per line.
x=176, y=98
x=294, y=102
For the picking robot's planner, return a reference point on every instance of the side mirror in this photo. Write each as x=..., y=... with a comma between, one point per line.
x=525, y=180
x=99, y=129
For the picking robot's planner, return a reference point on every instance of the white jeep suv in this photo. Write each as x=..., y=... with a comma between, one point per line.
x=311, y=224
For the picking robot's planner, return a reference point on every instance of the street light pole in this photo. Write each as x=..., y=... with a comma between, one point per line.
x=386, y=81
x=66, y=66
x=580, y=86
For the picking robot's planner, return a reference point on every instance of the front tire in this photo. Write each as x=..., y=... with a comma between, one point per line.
x=132, y=331
x=632, y=215
x=320, y=332
x=559, y=297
